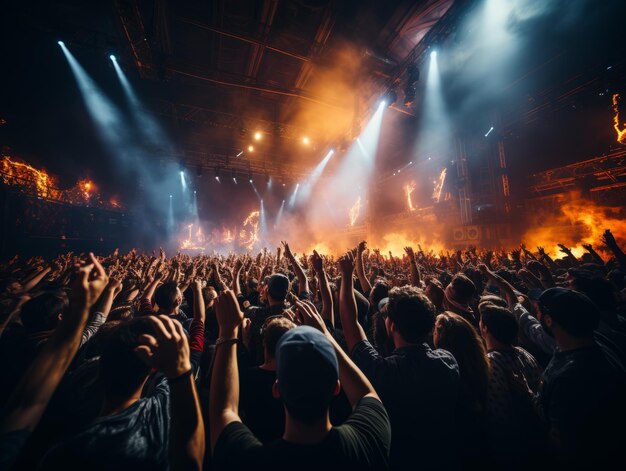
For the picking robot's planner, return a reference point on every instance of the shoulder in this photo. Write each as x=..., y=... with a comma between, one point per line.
x=236, y=446
x=367, y=429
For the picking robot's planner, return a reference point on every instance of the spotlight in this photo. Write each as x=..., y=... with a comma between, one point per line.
x=194, y=192
x=112, y=57
x=390, y=97
x=250, y=180
x=60, y=43
x=250, y=148
x=218, y=179
x=433, y=55
x=489, y=132
x=182, y=173
x=235, y=180
x=170, y=196
x=306, y=141
x=258, y=136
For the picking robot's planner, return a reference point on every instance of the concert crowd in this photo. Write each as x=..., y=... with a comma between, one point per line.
x=279, y=360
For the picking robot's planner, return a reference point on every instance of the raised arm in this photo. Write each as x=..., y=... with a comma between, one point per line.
x=354, y=383
x=327, y=298
x=347, y=304
x=596, y=256
x=224, y=394
x=568, y=254
x=303, y=283
x=31, y=396
x=507, y=290
x=415, y=273
x=360, y=268
x=547, y=259
x=34, y=280
x=611, y=243
x=168, y=352
x=236, y=274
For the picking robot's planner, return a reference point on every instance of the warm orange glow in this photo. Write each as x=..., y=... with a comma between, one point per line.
x=249, y=234
x=579, y=222
x=396, y=241
x=439, y=185
x=409, y=188
x=22, y=174
x=306, y=141
x=43, y=185
x=621, y=133
x=250, y=148
x=258, y=135
x=354, y=211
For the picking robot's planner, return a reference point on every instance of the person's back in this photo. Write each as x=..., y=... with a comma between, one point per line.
x=132, y=431
x=582, y=400
x=309, y=367
x=355, y=444
x=582, y=397
x=419, y=386
x=135, y=438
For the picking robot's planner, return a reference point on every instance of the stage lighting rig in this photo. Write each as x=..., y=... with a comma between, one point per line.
x=413, y=75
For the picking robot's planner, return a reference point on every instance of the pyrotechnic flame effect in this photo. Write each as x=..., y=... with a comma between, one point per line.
x=191, y=243
x=579, y=222
x=621, y=133
x=439, y=185
x=409, y=188
x=354, y=211
x=43, y=185
x=249, y=235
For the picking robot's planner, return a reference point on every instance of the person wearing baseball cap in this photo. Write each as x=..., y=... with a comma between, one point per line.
x=310, y=370
x=582, y=394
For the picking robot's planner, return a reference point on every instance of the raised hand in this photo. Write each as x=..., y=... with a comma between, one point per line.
x=228, y=314
x=115, y=284
x=361, y=247
x=168, y=349
x=90, y=282
x=307, y=314
x=410, y=253
x=608, y=239
x=564, y=249
x=317, y=262
x=288, y=252
x=346, y=264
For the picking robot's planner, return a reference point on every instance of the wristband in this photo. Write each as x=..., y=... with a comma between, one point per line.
x=179, y=378
x=221, y=341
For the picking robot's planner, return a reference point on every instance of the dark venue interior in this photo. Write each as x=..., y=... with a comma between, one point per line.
x=312, y=233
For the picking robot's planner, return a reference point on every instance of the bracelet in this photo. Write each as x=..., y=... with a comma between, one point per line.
x=219, y=342
x=179, y=378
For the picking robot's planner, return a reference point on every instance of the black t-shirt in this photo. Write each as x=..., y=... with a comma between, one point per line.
x=362, y=442
x=264, y=415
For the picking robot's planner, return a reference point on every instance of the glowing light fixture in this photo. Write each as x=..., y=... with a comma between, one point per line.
x=250, y=148
x=258, y=135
